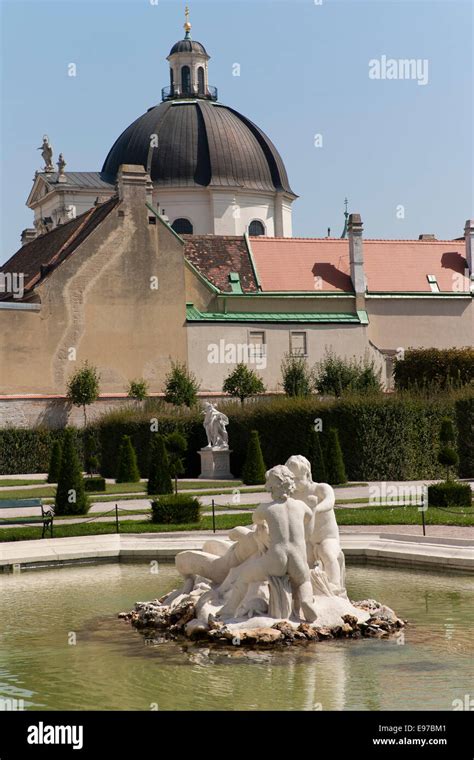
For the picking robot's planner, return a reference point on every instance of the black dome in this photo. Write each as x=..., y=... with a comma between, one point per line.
x=199, y=143
x=188, y=46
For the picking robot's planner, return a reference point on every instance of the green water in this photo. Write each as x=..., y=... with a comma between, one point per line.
x=111, y=667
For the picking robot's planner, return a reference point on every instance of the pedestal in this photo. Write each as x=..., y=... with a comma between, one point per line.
x=215, y=464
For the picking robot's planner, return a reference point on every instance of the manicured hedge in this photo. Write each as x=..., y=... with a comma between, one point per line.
x=442, y=368
x=465, y=426
x=175, y=509
x=382, y=437
x=29, y=451
x=450, y=494
x=95, y=484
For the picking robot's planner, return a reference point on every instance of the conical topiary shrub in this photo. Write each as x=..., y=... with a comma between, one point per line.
x=127, y=468
x=159, y=477
x=447, y=455
x=55, y=462
x=253, y=473
x=335, y=470
x=70, y=495
x=316, y=458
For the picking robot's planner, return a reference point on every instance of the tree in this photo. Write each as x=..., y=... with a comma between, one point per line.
x=91, y=452
x=447, y=455
x=127, y=468
x=176, y=446
x=159, y=478
x=181, y=386
x=253, y=472
x=316, y=458
x=55, y=462
x=83, y=387
x=334, y=375
x=70, y=494
x=335, y=470
x=296, y=376
x=243, y=383
x=138, y=389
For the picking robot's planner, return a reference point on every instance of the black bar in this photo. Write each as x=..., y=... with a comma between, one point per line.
x=117, y=525
x=213, y=518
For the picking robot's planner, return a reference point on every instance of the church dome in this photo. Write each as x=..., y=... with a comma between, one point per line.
x=199, y=143
x=188, y=46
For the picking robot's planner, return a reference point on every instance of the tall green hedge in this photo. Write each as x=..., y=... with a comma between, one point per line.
x=434, y=367
x=383, y=437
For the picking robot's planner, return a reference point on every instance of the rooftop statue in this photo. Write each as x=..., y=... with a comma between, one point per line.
x=47, y=154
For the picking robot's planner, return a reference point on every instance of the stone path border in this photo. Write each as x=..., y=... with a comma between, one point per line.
x=386, y=549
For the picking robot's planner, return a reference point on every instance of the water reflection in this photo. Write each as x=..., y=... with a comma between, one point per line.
x=112, y=667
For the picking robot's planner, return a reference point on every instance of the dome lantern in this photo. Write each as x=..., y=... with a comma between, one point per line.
x=188, y=61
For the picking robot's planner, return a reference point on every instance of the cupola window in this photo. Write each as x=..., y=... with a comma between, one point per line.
x=200, y=80
x=256, y=228
x=186, y=80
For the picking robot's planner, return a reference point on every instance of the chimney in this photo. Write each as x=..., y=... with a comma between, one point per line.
x=469, y=242
x=133, y=184
x=356, y=258
x=28, y=235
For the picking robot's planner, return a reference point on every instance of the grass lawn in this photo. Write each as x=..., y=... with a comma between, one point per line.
x=370, y=516
x=16, y=482
x=223, y=522
x=405, y=516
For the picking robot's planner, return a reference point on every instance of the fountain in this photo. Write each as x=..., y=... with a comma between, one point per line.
x=281, y=580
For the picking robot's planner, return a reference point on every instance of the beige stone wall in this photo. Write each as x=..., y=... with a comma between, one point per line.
x=100, y=303
x=345, y=340
x=421, y=322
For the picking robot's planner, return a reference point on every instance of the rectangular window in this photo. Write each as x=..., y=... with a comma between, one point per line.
x=298, y=343
x=257, y=346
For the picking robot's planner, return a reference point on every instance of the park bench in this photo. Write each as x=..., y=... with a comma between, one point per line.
x=46, y=518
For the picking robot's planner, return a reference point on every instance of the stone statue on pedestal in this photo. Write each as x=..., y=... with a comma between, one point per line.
x=214, y=425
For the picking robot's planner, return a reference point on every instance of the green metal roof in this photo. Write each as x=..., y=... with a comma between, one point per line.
x=194, y=315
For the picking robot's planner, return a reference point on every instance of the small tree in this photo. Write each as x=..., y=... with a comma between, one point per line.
x=243, y=383
x=334, y=375
x=181, y=386
x=296, y=376
x=159, y=478
x=83, y=387
x=127, y=468
x=91, y=452
x=55, y=462
x=335, y=470
x=316, y=458
x=253, y=473
x=138, y=389
x=176, y=446
x=447, y=455
x=70, y=494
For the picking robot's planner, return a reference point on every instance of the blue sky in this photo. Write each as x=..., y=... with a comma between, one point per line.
x=304, y=71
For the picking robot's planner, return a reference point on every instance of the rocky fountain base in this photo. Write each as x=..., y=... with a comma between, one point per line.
x=160, y=621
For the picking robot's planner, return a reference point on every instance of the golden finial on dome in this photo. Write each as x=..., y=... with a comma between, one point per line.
x=187, y=25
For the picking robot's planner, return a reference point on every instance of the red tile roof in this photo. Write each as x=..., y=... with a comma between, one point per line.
x=216, y=256
x=43, y=254
x=312, y=264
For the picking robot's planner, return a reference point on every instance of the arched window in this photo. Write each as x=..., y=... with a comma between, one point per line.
x=172, y=81
x=256, y=228
x=186, y=80
x=201, y=80
x=182, y=226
